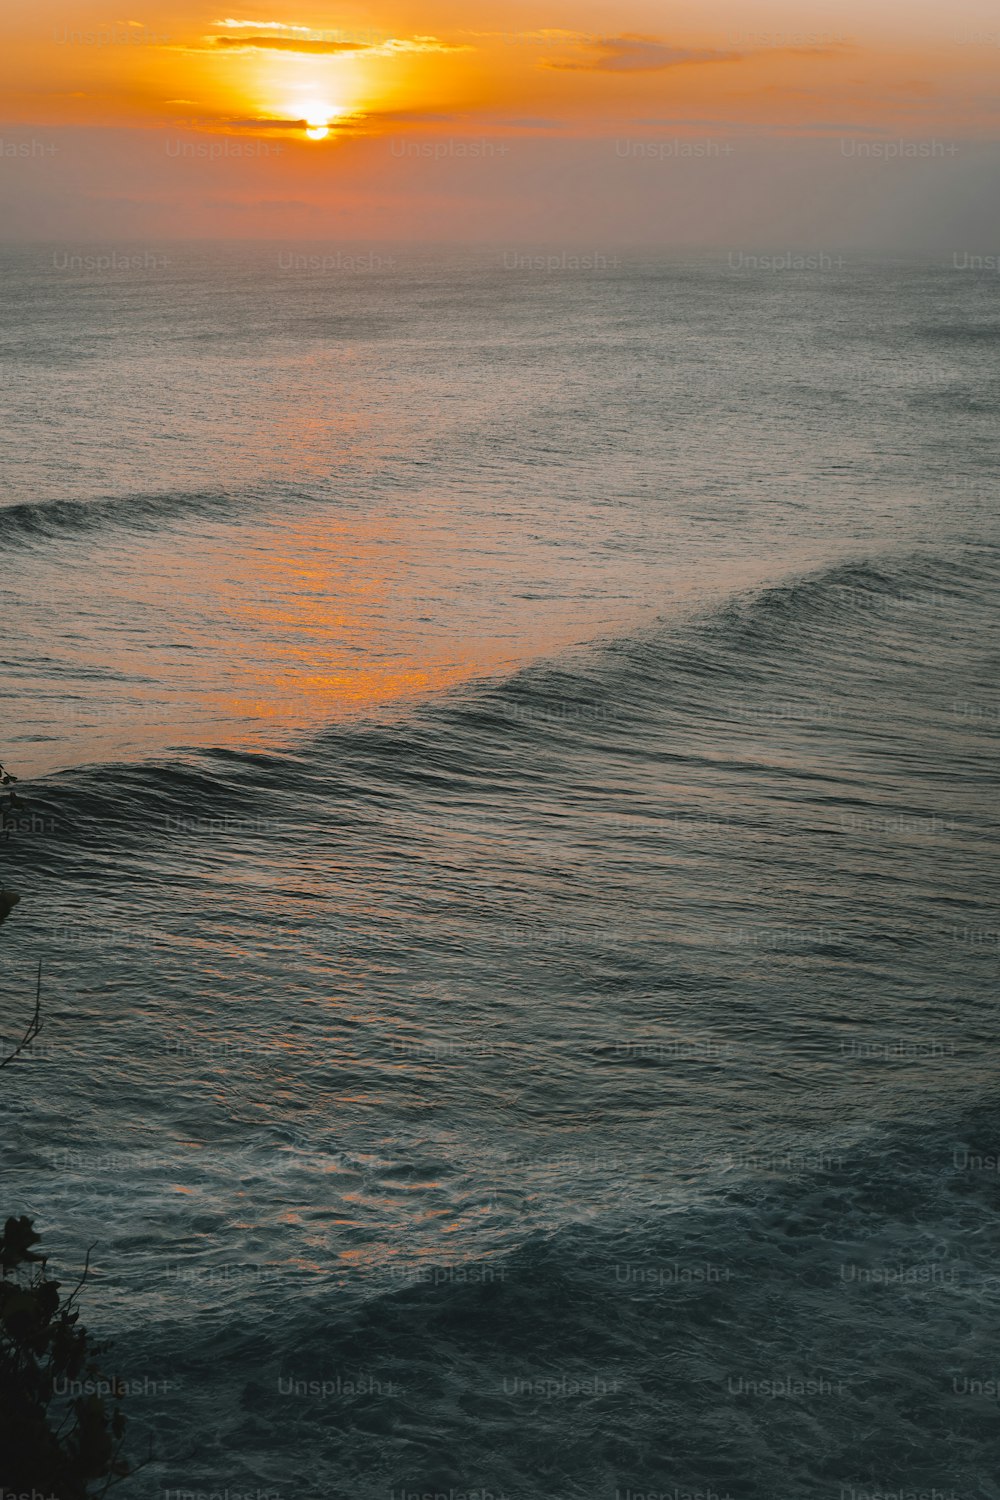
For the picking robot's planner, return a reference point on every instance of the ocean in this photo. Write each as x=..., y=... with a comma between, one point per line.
x=511, y=832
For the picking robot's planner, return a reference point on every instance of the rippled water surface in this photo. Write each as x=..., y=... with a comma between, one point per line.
x=512, y=839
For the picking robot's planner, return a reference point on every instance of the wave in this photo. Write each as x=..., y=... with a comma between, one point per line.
x=53, y=520
x=742, y=639
x=628, y=1355
x=477, y=739
x=50, y=520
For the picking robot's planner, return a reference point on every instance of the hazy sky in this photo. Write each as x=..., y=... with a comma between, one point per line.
x=733, y=124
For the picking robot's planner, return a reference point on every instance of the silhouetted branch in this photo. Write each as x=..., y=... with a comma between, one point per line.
x=34, y=1025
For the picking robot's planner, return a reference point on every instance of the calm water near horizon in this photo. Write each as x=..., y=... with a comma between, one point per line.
x=511, y=759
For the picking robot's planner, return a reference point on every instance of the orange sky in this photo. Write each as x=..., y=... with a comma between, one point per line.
x=331, y=101
x=594, y=67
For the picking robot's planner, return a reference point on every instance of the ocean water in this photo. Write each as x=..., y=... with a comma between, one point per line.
x=511, y=841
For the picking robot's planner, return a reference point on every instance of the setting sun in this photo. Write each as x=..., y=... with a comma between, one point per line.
x=318, y=118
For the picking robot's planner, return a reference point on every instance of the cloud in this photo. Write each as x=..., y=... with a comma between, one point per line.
x=635, y=54
x=326, y=47
x=362, y=120
x=261, y=122
x=286, y=44
x=420, y=44
x=411, y=116
x=261, y=26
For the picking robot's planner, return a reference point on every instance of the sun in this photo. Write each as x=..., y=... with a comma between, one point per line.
x=318, y=117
